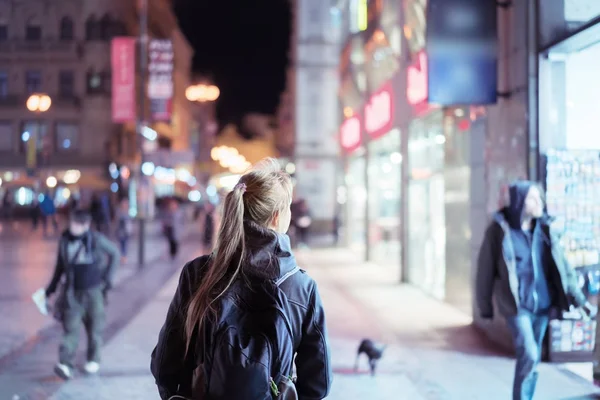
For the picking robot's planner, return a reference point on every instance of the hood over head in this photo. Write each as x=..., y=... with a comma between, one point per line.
x=268, y=254
x=517, y=191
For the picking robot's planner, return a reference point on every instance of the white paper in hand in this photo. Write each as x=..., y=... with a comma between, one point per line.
x=39, y=298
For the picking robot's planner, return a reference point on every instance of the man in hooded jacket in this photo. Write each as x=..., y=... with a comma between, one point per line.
x=522, y=265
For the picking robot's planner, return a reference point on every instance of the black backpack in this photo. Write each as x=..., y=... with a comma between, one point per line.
x=253, y=345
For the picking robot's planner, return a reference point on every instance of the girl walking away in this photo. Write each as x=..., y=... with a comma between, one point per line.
x=245, y=315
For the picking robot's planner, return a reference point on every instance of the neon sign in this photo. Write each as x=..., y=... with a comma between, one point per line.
x=417, y=89
x=379, y=112
x=350, y=134
x=363, y=15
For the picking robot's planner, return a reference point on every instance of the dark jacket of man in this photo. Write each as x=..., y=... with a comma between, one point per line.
x=269, y=258
x=523, y=269
x=104, y=253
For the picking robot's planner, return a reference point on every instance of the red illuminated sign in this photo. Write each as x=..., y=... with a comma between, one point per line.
x=379, y=112
x=416, y=86
x=350, y=134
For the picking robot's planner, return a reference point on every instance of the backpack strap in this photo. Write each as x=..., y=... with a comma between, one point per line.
x=287, y=275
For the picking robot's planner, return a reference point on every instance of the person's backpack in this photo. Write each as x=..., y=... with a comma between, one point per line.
x=253, y=345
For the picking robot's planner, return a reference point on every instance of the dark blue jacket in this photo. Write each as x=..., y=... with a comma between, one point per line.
x=528, y=248
x=497, y=271
x=269, y=257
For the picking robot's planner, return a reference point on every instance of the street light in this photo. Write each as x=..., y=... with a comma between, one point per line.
x=36, y=103
x=39, y=102
x=202, y=93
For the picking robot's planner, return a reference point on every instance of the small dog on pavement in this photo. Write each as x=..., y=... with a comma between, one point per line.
x=373, y=353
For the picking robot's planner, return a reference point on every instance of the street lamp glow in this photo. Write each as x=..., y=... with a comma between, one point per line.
x=202, y=93
x=51, y=182
x=39, y=102
x=149, y=133
x=194, y=196
x=72, y=176
x=148, y=168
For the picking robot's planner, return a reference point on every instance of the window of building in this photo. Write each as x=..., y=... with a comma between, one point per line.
x=92, y=28
x=3, y=84
x=33, y=30
x=6, y=136
x=34, y=129
x=33, y=81
x=67, y=136
x=66, y=82
x=66, y=28
x=106, y=27
x=3, y=32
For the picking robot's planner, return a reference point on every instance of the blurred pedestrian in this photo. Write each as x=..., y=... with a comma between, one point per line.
x=48, y=212
x=303, y=223
x=337, y=223
x=81, y=260
x=523, y=265
x=233, y=305
x=209, y=226
x=7, y=205
x=100, y=210
x=34, y=213
x=172, y=226
x=124, y=228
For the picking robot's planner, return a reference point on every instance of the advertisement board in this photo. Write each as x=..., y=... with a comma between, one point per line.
x=160, y=79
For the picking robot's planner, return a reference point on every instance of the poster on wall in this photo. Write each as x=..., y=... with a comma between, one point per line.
x=316, y=184
x=123, y=79
x=160, y=79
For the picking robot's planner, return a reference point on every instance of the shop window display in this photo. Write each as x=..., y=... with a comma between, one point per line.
x=457, y=188
x=356, y=204
x=385, y=163
x=427, y=229
x=570, y=154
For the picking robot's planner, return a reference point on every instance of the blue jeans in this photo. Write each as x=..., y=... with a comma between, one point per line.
x=528, y=330
x=123, y=242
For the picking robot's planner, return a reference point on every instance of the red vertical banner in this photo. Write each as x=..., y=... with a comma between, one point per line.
x=123, y=79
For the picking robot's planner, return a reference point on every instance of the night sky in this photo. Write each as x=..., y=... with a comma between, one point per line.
x=243, y=45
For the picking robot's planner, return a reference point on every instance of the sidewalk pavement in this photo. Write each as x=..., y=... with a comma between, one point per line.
x=433, y=352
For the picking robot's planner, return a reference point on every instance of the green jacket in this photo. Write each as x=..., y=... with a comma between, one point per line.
x=497, y=271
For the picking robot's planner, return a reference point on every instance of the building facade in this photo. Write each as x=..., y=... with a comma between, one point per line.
x=315, y=44
x=421, y=181
x=62, y=49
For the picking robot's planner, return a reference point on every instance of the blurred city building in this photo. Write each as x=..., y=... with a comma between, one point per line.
x=63, y=49
x=421, y=177
x=312, y=96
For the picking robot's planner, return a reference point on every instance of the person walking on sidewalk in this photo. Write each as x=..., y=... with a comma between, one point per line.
x=48, y=211
x=172, y=226
x=522, y=265
x=87, y=280
x=220, y=320
x=124, y=228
